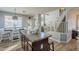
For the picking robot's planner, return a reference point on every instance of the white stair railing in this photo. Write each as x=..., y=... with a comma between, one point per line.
x=60, y=36
x=60, y=18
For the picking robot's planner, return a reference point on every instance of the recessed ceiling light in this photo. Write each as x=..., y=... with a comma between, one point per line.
x=24, y=11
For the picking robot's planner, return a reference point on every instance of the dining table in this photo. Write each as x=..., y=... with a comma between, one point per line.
x=27, y=37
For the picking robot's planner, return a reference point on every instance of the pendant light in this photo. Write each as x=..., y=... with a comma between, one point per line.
x=15, y=17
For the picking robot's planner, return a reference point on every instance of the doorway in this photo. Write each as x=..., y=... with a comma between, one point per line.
x=77, y=22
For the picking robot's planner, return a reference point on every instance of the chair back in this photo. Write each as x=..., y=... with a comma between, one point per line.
x=24, y=42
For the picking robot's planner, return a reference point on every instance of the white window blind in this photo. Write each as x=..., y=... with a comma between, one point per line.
x=10, y=22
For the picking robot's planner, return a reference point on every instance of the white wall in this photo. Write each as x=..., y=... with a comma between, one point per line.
x=72, y=14
x=51, y=18
x=1, y=20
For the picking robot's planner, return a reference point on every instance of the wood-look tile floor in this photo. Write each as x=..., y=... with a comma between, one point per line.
x=73, y=45
x=7, y=43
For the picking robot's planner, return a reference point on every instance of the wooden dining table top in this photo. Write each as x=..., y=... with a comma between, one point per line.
x=35, y=37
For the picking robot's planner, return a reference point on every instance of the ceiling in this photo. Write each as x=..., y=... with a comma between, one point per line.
x=28, y=10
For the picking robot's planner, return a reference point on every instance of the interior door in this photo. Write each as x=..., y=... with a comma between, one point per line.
x=77, y=22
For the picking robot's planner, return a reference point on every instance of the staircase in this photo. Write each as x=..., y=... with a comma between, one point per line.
x=59, y=20
x=61, y=36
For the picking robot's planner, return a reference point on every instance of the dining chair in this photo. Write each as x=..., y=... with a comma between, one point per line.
x=51, y=42
x=5, y=36
x=25, y=43
x=15, y=34
x=0, y=37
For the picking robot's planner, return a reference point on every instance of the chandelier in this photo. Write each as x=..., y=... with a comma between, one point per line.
x=15, y=17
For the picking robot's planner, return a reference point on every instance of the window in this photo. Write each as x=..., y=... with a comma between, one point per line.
x=9, y=22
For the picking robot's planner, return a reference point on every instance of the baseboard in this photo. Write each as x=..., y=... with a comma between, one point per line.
x=65, y=41
x=56, y=40
x=68, y=40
